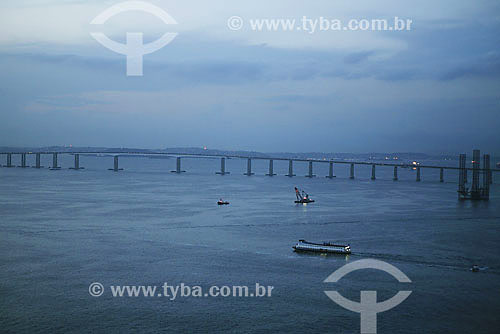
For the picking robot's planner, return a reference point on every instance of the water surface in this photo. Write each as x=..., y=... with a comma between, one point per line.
x=62, y=230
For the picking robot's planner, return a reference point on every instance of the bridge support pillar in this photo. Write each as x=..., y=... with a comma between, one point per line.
x=395, y=178
x=115, y=165
x=249, y=168
x=37, y=160
x=486, y=177
x=290, y=168
x=441, y=175
x=77, y=163
x=271, y=168
x=330, y=171
x=9, y=161
x=310, y=174
x=352, y=172
x=178, y=169
x=23, y=160
x=54, y=162
x=222, y=167
x=373, y=172
x=418, y=174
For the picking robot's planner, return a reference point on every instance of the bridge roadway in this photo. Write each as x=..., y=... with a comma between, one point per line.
x=179, y=155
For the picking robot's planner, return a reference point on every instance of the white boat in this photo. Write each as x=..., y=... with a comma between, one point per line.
x=326, y=247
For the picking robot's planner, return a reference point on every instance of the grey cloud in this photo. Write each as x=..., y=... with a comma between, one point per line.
x=487, y=67
x=357, y=57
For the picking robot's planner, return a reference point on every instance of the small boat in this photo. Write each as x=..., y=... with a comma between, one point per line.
x=475, y=268
x=221, y=202
x=326, y=247
x=302, y=197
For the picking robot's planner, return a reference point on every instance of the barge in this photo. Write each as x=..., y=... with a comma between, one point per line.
x=326, y=247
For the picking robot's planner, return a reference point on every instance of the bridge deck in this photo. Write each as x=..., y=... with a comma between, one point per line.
x=181, y=154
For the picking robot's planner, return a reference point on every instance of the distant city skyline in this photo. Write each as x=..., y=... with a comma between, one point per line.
x=213, y=150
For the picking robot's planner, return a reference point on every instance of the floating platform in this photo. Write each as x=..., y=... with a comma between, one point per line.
x=305, y=201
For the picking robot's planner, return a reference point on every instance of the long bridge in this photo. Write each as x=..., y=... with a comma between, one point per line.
x=179, y=155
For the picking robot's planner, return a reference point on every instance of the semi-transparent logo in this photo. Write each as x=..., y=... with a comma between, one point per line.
x=134, y=48
x=368, y=306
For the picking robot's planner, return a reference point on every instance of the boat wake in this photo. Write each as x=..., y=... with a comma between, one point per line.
x=420, y=261
x=256, y=225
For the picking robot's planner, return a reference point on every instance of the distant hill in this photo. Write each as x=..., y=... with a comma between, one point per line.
x=394, y=156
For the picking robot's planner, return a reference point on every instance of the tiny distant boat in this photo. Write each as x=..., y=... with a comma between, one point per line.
x=326, y=247
x=302, y=197
x=476, y=268
x=221, y=202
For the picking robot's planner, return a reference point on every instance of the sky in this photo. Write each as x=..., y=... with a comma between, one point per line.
x=432, y=89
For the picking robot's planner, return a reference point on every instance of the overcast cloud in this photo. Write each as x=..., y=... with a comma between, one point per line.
x=432, y=89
